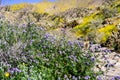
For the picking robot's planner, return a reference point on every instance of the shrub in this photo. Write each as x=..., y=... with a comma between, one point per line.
x=106, y=32
x=16, y=7
x=113, y=41
x=89, y=25
x=28, y=52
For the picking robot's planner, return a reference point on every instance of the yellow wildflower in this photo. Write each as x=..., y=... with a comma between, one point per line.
x=7, y=74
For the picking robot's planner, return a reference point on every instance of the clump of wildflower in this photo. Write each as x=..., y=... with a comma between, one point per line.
x=13, y=70
x=16, y=70
x=46, y=35
x=73, y=57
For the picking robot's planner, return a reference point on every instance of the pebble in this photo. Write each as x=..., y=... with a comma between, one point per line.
x=112, y=61
x=117, y=65
x=116, y=58
x=119, y=60
x=103, y=68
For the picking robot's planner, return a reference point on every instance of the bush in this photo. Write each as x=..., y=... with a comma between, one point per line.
x=28, y=52
x=113, y=41
x=16, y=7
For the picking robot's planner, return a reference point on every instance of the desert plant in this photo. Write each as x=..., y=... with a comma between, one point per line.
x=113, y=41
x=30, y=53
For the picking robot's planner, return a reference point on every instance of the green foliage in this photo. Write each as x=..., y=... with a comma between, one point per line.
x=109, y=12
x=116, y=5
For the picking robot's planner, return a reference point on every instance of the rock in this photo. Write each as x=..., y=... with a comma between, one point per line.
x=117, y=65
x=103, y=69
x=96, y=69
x=112, y=61
x=116, y=58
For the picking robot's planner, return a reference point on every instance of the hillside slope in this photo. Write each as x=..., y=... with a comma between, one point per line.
x=97, y=21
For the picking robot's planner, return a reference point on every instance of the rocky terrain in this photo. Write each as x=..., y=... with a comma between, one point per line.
x=109, y=62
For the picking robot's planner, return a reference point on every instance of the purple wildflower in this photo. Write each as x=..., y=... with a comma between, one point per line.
x=99, y=78
x=81, y=45
x=113, y=79
x=46, y=35
x=108, y=51
x=73, y=57
x=111, y=65
x=63, y=29
x=92, y=59
x=87, y=77
x=12, y=70
x=73, y=77
x=16, y=70
x=117, y=77
x=65, y=76
x=70, y=43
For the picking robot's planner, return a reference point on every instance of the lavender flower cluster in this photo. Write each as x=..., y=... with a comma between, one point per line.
x=14, y=70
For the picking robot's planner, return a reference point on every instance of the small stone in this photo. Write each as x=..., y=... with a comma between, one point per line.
x=103, y=69
x=111, y=56
x=119, y=60
x=117, y=65
x=116, y=57
x=96, y=69
x=111, y=73
x=112, y=61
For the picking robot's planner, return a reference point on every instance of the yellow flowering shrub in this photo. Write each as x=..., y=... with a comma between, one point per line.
x=107, y=30
x=16, y=7
x=56, y=7
x=42, y=7
x=85, y=24
x=53, y=7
